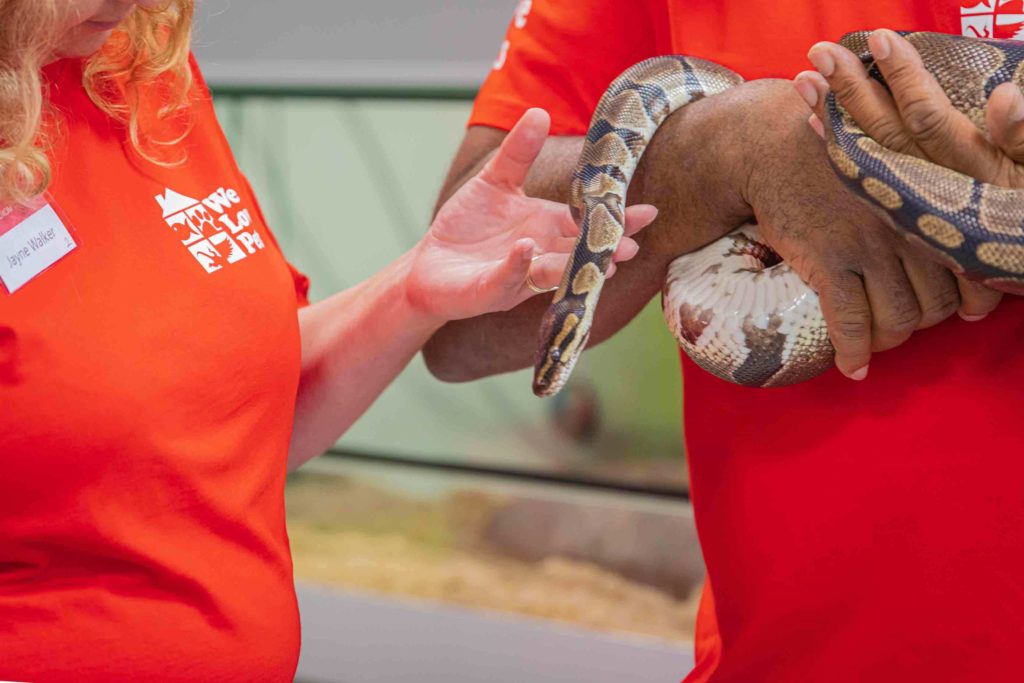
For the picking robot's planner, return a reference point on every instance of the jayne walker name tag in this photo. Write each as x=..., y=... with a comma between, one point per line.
x=30, y=243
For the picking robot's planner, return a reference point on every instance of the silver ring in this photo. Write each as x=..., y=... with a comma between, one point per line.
x=533, y=285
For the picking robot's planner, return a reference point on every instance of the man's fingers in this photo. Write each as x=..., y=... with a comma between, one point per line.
x=976, y=300
x=936, y=290
x=509, y=166
x=816, y=125
x=895, y=312
x=845, y=306
x=1005, y=119
x=867, y=101
x=945, y=135
x=813, y=88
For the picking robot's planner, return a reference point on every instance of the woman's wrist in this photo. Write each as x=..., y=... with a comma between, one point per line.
x=417, y=305
x=384, y=299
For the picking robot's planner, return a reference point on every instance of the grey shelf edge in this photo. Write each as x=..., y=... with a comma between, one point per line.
x=353, y=637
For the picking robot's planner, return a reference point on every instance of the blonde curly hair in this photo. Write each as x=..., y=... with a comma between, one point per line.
x=150, y=48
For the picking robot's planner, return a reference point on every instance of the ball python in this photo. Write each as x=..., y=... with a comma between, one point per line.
x=734, y=307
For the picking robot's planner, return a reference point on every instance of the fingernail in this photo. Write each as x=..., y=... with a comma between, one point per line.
x=806, y=90
x=821, y=57
x=972, y=318
x=816, y=125
x=883, y=44
x=860, y=374
x=630, y=249
x=1016, y=112
x=526, y=248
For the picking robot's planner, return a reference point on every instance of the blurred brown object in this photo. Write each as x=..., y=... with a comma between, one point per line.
x=655, y=548
x=576, y=411
x=348, y=533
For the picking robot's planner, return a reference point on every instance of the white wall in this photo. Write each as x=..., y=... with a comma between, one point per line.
x=426, y=43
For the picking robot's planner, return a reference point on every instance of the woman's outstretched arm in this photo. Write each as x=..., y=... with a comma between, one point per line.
x=474, y=260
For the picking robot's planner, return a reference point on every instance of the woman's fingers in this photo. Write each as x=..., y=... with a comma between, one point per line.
x=639, y=216
x=516, y=266
x=509, y=166
x=626, y=250
x=553, y=228
x=546, y=270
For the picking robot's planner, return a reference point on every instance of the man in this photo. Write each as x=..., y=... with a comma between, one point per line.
x=867, y=530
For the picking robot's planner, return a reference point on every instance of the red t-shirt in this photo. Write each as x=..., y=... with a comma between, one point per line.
x=147, y=390
x=867, y=531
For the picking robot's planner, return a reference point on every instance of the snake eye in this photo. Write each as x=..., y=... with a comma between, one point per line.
x=556, y=355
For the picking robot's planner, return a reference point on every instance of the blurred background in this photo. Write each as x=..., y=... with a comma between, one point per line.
x=458, y=532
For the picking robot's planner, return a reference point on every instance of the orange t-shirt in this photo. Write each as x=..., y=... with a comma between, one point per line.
x=147, y=391
x=867, y=531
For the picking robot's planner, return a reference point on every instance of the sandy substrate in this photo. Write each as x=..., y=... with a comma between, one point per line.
x=347, y=534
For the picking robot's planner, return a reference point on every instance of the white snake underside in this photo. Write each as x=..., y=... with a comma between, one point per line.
x=743, y=315
x=734, y=308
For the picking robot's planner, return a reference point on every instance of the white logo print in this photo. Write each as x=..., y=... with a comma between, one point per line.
x=1002, y=19
x=523, y=11
x=518, y=21
x=206, y=228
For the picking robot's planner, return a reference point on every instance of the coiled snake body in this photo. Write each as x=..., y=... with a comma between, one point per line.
x=733, y=306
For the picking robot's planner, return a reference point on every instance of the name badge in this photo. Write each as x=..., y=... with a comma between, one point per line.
x=31, y=240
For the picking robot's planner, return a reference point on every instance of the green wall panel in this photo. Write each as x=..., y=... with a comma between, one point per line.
x=347, y=185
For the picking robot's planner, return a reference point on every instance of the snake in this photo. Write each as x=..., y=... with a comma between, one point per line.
x=734, y=306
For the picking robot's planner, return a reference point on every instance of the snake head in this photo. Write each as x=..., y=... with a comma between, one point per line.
x=562, y=340
x=551, y=374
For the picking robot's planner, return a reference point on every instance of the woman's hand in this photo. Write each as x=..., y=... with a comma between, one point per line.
x=490, y=236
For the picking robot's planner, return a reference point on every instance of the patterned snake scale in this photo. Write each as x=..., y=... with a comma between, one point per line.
x=733, y=306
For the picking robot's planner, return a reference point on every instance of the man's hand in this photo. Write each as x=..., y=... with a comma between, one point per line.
x=715, y=164
x=917, y=118
x=875, y=291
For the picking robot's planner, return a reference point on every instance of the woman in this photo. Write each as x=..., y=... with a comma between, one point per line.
x=154, y=375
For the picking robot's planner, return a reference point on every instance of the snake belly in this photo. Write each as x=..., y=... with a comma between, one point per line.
x=731, y=306
x=974, y=228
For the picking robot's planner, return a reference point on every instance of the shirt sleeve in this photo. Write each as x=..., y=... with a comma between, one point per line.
x=562, y=55
x=299, y=279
